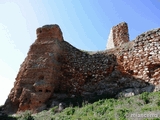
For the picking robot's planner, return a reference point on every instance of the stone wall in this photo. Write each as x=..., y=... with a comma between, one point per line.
x=81, y=71
x=118, y=35
x=55, y=70
x=141, y=57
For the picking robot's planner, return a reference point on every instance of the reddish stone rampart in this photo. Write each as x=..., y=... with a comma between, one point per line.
x=55, y=70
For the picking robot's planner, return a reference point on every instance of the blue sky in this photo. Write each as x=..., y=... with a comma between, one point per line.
x=85, y=24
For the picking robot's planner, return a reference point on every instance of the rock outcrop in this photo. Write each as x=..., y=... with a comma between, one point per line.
x=55, y=70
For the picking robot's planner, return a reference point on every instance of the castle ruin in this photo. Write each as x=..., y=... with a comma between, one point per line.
x=118, y=35
x=54, y=70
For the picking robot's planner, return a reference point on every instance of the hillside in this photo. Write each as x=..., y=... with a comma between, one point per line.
x=141, y=107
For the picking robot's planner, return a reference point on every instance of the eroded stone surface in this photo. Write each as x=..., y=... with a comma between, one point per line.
x=54, y=70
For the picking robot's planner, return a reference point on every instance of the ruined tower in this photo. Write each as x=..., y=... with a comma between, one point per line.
x=118, y=35
x=38, y=76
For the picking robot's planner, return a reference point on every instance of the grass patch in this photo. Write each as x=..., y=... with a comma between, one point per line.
x=145, y=97
x=105, y=109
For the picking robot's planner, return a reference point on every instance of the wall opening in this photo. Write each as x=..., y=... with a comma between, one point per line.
x=40, y=90
x=47, y=90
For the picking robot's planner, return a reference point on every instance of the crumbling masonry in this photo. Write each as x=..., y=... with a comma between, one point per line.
x=55, y=70
x=118, y=35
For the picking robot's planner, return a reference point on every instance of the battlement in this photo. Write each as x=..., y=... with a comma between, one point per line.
x=118, y=35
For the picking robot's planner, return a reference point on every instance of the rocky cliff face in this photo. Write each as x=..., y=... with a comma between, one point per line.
x=55, y=70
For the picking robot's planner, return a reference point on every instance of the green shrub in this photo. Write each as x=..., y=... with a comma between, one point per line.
x=145, y=97
x=110, y=109
x=158, y=103
x=139, y=104
x=122, y=113
x=156, y=119
x=69, y=111
x=88, y=108
x=54, y=109
x=146, y=109
x=101, y=110
x=26, y=116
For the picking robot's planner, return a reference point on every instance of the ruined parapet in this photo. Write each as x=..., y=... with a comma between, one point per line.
x=118, y=35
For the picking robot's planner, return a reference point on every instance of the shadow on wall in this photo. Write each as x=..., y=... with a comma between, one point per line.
x=74, y=75
x=90, y=77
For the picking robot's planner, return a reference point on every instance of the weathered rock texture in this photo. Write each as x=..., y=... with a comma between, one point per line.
x=55, y=70
x=118, y=35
